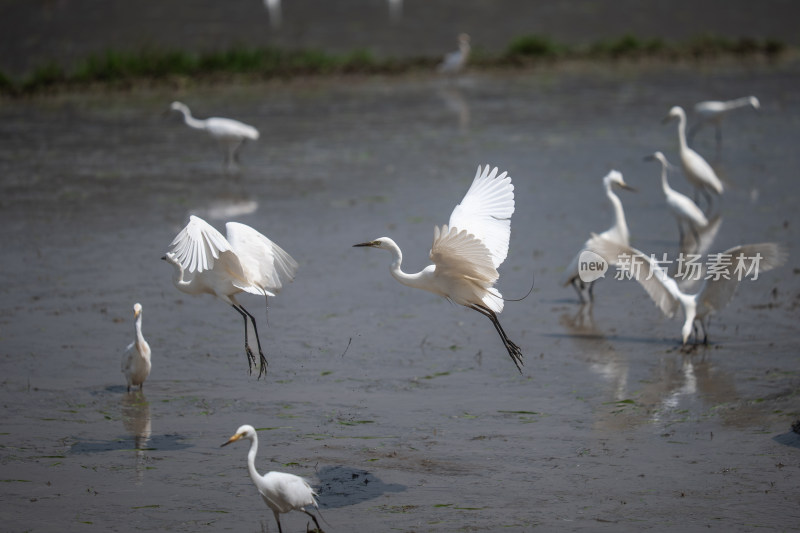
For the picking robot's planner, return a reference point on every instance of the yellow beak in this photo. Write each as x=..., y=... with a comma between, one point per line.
x=232, y=439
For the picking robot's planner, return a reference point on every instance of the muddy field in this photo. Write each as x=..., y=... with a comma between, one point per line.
x=403, y=410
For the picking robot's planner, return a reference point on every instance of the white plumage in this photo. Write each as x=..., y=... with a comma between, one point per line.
x=207, y=263
x=715, y=292
x=618, y=232
x=281, y=492
x=454, y=62
x=136, y=362
x=713, y=111
x=467, y=252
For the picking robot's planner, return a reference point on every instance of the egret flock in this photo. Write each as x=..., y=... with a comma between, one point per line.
x=465, y=254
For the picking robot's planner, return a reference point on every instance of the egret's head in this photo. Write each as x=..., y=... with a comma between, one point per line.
x=177, y=106
x=657, y=156
x=754, y=102
x=244, y=432
x=688, y=325
x=137, y=310
x=615, y=178
x=463, y=38
x=383, y=242
x=676, y=112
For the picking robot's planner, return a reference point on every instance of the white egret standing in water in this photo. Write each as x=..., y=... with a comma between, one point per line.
x=281, y=492
x=697, y=170
x=618, y=233
x=207, y=263
x=232, y=134
x=682, y=207
x=136, y=363
x=713, y=111
x=722, y=276
x=466, y=253
x=454, y=62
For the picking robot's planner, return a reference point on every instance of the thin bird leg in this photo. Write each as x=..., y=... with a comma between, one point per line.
x=591, y=291
x=250, y=357
x=513, y=350
x=577, y=285
x=314, y=518
x=236, y=149
x=278, y=520
x=262, y=368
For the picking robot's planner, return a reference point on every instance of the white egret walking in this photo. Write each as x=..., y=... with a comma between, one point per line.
x=618, y=233
x=723, y=274
x=232, y=134
x=136, y=363
x=713, y=111
x=207, y=263
x=682, y=207
x=454, y=62
x=281, y=492
x=697, y=170
x=466, y=253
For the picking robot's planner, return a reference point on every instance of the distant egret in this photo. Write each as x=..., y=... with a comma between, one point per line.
x=713, y=111
x=720, y=281
x=136, y=363
x=207, y=263
x=466, y=254
x=617, y=233
x=232, y=134
x=697, y=170
x=454, y=62
x=682, y=207
x=281, y=492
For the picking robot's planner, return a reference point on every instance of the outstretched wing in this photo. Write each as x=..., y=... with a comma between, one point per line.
x=726, y=269
x=198, y=245
x=265, y=265
x=662, y=289
x=486, y=211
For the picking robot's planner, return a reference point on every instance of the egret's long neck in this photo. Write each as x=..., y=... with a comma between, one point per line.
x=190, y=120
x=619, y=214
x=682, y=131
x=739, y=102
x=664, y=183
x=177, y=276
x=251, y=459
x=411, y=280
x=139, y=337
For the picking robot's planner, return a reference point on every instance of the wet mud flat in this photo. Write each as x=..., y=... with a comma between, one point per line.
x=402, y=409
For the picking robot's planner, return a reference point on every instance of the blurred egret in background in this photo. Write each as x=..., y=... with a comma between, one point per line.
x=617, y=233
x=207, y=263
x=281, y=492
x=713, y=111
x=136, y=363
x=232, y=134
x=454, y=62
x=722, y=276
x=697, y=170
x=466, y=253
x=682, y=207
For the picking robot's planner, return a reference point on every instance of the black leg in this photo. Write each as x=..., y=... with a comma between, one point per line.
x=513, y=350
x=314, y=518
x=591, y=291
x=278, y=520
x=577, y=284
x=250, y=357
x=262, y=368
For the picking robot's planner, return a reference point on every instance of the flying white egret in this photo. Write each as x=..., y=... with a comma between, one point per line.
x=281, y=492
x=207, y=263
x=713, y=111
x=466, y=253
x=682, y=207
x=723, y=273
x=618, y=233
x=136, y=363
x=697, y=170
x=232, y=134
x=454, y=62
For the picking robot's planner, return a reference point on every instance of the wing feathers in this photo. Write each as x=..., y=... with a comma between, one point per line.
x=198, y=245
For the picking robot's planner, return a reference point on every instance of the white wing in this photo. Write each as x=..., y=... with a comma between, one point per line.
x=198, y=245
x=265, y=265
x=662, y=289
x=486, y=211
x=720, y=288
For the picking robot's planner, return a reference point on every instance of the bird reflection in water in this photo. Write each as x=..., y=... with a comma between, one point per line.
x=136, y=421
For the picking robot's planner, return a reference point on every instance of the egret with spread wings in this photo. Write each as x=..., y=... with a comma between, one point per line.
x=467, y=252
x=207, y=263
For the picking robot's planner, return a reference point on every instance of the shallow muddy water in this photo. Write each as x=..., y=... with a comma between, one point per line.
x=403, y=410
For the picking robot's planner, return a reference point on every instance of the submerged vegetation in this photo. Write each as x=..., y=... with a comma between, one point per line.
x=122, y=68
